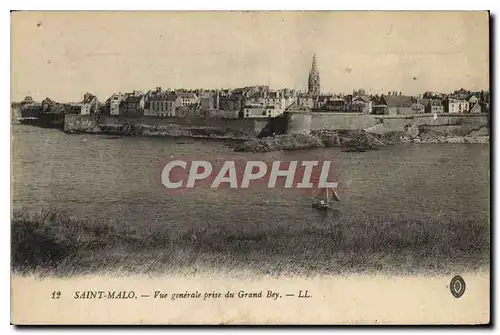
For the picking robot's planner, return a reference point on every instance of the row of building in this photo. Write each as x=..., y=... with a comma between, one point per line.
x=257, y=102
x=263, y=102
x=394, y=103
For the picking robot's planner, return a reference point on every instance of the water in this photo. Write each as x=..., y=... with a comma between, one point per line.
x=118, y=179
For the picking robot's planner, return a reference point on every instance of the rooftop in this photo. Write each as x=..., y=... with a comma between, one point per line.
x=363, y=98
x=132, y=98
x=186, y=95
x=398, y=101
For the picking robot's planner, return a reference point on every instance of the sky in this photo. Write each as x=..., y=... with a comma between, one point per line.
x=62, y=55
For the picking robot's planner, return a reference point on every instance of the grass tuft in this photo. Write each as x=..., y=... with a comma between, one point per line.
x=56, y=243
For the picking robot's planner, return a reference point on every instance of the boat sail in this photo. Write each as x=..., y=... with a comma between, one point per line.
x=324, y=199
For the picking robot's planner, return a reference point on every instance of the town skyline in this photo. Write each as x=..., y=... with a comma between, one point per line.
x=378, y=52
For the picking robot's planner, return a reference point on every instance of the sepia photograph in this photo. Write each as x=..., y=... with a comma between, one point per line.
x=250, y=163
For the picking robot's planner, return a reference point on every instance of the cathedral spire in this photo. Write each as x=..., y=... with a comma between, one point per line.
x=313, y=84
x=313, y=68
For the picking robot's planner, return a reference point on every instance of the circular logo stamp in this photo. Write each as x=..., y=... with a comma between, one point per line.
x=457, y=286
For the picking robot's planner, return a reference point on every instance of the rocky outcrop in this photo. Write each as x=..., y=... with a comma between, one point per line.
x=393, y=137
x=173, y=130
x=92, y=125
x=281, y=142
x=454, y=139
x=361, y=140
x=81, y=124
x=349, y=140
x=440, y=134
x=463, y=133
x=273, y=134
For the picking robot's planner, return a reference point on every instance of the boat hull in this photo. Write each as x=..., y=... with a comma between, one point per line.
x=321, y=207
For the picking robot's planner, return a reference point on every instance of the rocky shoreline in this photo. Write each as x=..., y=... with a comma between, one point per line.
x=467, y=133
x=352, y=140
x=455, y=139
x=348, y=140
x=356, y=140
x=274, y=137
x=171, y=130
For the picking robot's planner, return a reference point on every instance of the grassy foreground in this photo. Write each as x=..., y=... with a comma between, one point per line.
x=56, y=244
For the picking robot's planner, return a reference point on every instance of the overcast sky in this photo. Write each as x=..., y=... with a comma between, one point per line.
x=62, y=55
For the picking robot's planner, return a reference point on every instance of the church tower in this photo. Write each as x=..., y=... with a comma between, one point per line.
x=313, y=87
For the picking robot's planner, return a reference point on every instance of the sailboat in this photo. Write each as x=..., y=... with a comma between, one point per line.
x=323, y=200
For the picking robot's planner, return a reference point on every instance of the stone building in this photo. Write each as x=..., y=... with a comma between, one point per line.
x=132, y=105
x=434, y=106
x=90, y=104
x=187, y=98
x=417, y=108
x=207, y=102
x=361, y=104
x=398, y=104
x=305, y=101
x=454, y=106
x=163, y=104
x=114, y=103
